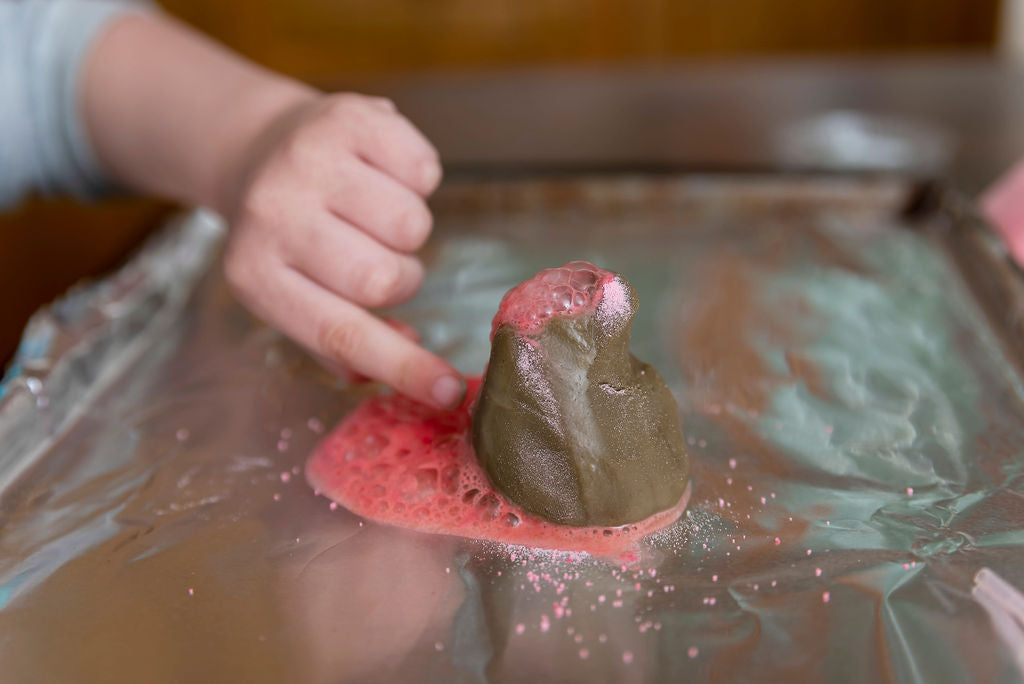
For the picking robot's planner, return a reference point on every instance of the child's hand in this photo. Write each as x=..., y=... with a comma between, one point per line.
x=1003, y=205
x=324, y=194
x=326, y=209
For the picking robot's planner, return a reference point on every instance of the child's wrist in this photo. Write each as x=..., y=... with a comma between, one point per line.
x=253, y=111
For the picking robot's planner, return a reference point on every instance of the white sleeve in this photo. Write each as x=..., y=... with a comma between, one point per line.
x=43, y=142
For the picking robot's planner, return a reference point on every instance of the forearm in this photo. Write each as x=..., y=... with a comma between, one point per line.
x=172, y=113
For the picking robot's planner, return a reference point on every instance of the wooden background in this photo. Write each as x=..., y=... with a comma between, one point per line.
x=47, y=245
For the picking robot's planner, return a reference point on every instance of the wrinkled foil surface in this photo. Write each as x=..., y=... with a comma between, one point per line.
x=854, y=414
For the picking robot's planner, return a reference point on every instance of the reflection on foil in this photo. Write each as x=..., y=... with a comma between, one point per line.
x=855, y=434
x=852, y=141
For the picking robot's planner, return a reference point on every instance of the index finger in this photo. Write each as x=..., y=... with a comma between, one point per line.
x=343, y=332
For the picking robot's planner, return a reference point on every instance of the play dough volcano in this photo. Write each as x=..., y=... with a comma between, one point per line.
x=570, y=442
x=569, y=424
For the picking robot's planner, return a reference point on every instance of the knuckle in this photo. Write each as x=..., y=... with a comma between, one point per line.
x=379, y=282
x=340, y=340
x=350, y=108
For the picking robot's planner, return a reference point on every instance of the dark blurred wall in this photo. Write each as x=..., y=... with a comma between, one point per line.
x=46, y=246
x=322, y=39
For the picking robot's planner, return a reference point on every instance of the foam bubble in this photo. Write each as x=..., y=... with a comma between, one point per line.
x=566, y=291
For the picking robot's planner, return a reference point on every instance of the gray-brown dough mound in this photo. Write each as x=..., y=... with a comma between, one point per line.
x=569, y=424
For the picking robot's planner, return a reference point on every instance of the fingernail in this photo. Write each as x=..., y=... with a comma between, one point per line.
x=448, y=390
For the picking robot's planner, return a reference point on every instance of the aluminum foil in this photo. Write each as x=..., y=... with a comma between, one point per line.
x=854, y=412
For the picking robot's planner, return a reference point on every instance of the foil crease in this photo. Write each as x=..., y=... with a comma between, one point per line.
x=854, y=413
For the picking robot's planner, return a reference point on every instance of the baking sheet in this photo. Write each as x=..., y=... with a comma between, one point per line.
x=847, y=380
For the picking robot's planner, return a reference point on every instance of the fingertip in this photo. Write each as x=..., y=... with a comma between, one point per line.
x=448, y=390
x=430, y=173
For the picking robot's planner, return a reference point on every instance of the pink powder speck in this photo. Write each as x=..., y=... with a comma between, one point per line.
x=438, y=646
x=817, y=572
x=714, y=578
x=286, y=476
x=277, y=497
x=182, y=434
x=584, y=654
x=191, y=591
x=333, y=506
x=693, y=652
x=732, y=464
x=627, y=657
x=613, y=297
x=520, y=628
x=282, y=445
x=826, y=596
x=910, y=491
x=545, y=623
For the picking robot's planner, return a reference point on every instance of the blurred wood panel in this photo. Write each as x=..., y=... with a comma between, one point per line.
x=46, y=246
x=322, y=39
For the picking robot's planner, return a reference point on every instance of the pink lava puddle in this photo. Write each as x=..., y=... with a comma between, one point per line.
x=405, y=464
